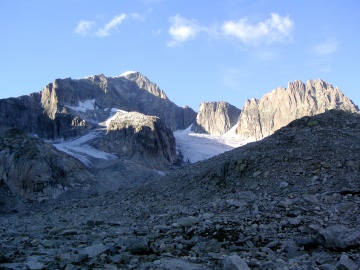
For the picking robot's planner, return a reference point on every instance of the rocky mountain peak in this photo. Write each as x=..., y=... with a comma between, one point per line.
x=260, y=118
x=144, y=83
x=51, y=113
x=215, y=118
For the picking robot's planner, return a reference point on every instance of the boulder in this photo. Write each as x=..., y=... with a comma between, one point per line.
x=339, y=237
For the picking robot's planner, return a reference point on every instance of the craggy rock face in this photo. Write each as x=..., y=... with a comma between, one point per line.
x=215, y=118
x=36, y=170
x=131, y=92
x=261, y=118
x=144, y=139
x=67, y=108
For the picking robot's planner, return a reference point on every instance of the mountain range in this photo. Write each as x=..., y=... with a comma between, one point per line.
x=107, y=172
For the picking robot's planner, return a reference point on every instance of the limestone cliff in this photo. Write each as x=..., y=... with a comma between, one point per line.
x=261, y=118
x=144, y=139
x=36, y=170
x=215, y=118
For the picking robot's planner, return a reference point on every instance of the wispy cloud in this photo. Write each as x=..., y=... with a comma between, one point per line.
x=106, y=30
x=86, y=28
x=182, y=29
x=326, y=48
x=274, y=29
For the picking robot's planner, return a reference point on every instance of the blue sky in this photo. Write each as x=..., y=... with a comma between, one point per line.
x=227, y=50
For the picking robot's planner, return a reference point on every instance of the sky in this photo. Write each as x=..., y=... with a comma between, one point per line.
x=195, y=51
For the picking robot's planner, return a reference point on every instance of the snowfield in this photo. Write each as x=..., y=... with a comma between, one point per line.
x=196, y=147
x=84, y=106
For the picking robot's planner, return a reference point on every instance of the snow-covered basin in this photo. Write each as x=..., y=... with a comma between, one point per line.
x=196, y=147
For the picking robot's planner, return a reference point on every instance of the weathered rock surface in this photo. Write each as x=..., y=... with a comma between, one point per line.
x=261, y=118
x=141, y=138
x=215, y=118
x=273, y=204
x=26, y=113
x=67, y=108
x=99, y=94
x=36, y=170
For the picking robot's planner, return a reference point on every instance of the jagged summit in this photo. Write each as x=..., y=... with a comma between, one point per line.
x=215, y=118
x=260, y=118
x=68, y=107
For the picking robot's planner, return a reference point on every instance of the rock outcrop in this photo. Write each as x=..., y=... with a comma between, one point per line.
x=34, y=169
x=142, y=138
x=215, y=118
x=261, y=118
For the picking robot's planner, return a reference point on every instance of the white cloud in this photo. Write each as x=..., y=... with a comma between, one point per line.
x=275, y=29
x=182, y=29
x=326, y=48
x=105, y=31
x=84, y=27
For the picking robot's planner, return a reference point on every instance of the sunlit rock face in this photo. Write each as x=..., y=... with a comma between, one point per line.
x=261, y=118
x=215, y=118
x=67, y=108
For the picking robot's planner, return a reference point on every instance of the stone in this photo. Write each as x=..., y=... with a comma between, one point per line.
x=345, y=263
x=234, y=262
x=94, y=250
x=339, y=237
x=283, y=184
x=135, y=245
x=35, y=265
x=188, y=221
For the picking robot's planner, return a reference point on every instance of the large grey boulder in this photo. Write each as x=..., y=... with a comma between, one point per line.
x=215, y=118
x=142, y=138
x=261, y=118
x=340, y=237
x=34, y=169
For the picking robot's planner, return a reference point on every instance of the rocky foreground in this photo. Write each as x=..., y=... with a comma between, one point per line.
x=290, y=201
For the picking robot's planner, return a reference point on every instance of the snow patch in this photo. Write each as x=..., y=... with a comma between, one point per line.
x=80, y=149
x=196, y=147
x=84, y=106
x=127, y=73
x=113, y=111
